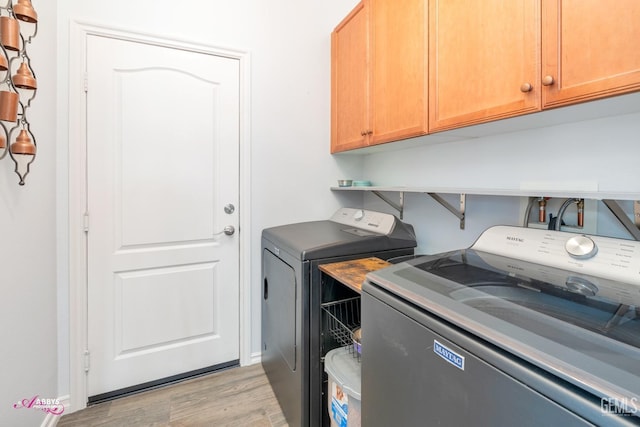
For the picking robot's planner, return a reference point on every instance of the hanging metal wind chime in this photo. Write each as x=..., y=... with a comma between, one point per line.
x=18, y=26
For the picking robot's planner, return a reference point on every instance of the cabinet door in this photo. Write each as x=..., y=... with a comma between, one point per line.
x=590, y=49
x=350, y=82
x=482, y=54
x=398, y=69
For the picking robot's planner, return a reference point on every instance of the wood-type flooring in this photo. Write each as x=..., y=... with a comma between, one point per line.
x=235, y=397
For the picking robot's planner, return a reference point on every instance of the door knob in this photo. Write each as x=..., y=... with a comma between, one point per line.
x=228, y=230
x=228, y=209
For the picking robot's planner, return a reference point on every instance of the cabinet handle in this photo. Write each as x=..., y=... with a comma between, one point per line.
x=369, y=132
x=363, y=133
x=547, y=80
x=526, y=87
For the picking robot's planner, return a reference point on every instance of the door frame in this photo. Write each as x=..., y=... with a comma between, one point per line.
x=77, y=192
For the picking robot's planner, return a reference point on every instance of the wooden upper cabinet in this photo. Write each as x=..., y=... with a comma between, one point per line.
x=484, y=61
x=379, y=74
x=590, y=49
x=350, y=81
x=405, y=68
x=399, y=59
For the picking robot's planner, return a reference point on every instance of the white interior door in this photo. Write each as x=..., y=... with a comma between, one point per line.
x=163, y=163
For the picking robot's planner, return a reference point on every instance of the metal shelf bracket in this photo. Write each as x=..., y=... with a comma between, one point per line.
x=459, y=214
x=631, y=226
x=397, y=206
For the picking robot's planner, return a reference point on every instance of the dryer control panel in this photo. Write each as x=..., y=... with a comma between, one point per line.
x=375, y=222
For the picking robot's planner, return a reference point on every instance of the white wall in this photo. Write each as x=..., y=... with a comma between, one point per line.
x=600, y=154
x=28, y=360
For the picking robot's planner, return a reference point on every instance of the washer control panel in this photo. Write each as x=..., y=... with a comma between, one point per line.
x=375, y=222
x=605, y=257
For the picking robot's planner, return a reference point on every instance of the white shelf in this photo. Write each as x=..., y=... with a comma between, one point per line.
x=595, y=195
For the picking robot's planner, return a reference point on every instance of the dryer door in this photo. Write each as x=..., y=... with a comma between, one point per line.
x=282, y=350
x=279, y=311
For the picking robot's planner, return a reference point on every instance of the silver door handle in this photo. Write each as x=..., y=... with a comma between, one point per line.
x=228, y=230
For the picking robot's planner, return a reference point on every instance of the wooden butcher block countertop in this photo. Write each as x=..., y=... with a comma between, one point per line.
x=352, y=273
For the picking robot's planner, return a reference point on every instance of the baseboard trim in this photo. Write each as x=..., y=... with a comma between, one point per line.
x=255, y=358
x=52, y=420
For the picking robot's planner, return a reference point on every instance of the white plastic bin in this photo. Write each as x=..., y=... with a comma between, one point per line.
x=343, y=390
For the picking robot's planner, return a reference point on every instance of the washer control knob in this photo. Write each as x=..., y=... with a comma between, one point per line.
x=581, y=247
x=358, y=215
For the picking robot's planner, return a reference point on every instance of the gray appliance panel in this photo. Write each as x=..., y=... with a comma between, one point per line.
x=283, y=317
x=325, y=239
x=405, y=382
x=283, y=355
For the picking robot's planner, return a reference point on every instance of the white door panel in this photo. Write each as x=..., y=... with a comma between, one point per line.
x=136, y=329
x=163, y=161
x=172, y=153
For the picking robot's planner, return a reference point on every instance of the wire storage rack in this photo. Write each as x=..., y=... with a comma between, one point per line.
x=341, y=319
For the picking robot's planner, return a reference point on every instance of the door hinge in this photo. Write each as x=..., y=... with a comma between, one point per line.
x=85, y=222
x=86, y=82
x=86, y=360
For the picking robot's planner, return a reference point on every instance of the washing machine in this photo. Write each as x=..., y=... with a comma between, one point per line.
x=526, y=327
